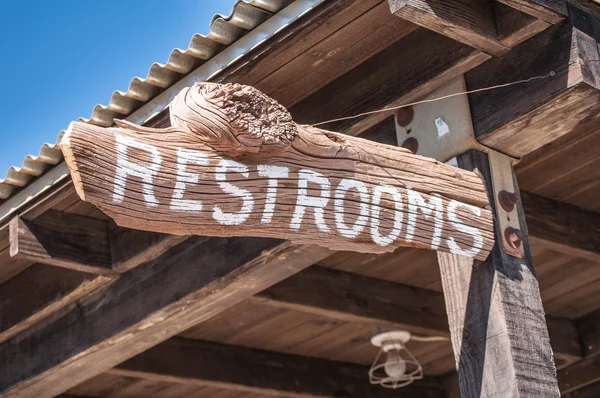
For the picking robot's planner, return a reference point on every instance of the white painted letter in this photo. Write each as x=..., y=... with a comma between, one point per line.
x=248, y=201
x=272, y=173
x=474, y=232
x=126, y=167
x=186, y=156
x=416, y=202
x=363, y=218
x=376, y=210
x=316, y=203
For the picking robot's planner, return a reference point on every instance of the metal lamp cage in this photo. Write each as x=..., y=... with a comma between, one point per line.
x=377, y=374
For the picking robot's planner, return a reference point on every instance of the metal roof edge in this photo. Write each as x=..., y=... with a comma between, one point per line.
x=212, y=66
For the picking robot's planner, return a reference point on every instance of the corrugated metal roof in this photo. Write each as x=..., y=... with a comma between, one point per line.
x=224, y=30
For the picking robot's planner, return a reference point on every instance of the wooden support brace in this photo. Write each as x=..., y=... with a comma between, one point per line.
x=580, y=375
x=499, y=333
x=64, y=240
x=561, y=227
x=517, y=120
x=152, y=302
x=552, y=11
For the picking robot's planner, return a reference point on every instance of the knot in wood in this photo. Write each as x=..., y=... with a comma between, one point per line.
x=234, y=119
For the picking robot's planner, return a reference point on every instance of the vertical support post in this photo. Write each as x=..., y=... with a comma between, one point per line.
x=497, y=322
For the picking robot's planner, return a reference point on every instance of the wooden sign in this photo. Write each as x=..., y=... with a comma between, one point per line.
x=235, y=164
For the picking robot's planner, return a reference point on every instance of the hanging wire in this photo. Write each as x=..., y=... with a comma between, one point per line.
x=391, y=108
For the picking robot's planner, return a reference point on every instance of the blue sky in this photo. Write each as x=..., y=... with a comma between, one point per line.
x=60, y=58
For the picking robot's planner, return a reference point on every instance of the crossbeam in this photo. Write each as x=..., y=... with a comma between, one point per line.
x=562, y=227
x=517, y=120
x=152, y=302
x=254, y=371
x=468, y=21
x=325, y=292
x=64, y=240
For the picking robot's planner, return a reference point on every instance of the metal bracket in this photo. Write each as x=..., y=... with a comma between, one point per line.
x=443, y=130
x=506, y=197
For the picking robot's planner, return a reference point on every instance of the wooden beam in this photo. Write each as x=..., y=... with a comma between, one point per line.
x=326, y=292
x=39, y=292
x=265, y=373
x=186, y=285
x=590, y=391
x=468, y=21
x=148, y=246
x=10, y=266
x=64, y=240
x=490, y=305
x=562, y=227
x=519, y=119
x=580, y=375
x=551, y=11
x=393, y=77
x=514, y=27
x=589, y=334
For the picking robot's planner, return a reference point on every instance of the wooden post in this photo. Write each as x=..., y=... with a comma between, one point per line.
x=496, y=318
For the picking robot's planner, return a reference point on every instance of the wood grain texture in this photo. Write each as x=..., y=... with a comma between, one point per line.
x=63, y=240
x=363, y=196
x=327, y=60
x=562, y=227
x=490, y=305
x=348, y=297
x=188, y=284
x=468, y=21
x=386, y=80
x=589, y=333
x=551, y=11
x=40, y=292
x=520, y=119
x=579, y=375
x=130, y=247
x=514, y=27
x=252, y=371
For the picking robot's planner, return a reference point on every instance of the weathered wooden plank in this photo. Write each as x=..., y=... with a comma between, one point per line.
x=309, y=30
x=561, y=227
x=260, y=174
x=551, y=11
x=372, y=32
x=188, y=284
x=253, y=371
x=564, y=339
x=468, y=21
x=326, y=292
x=10, y=267
x=131, y=247
x=590, y=391
x=579, y=375
x=395, y=76
x=519, y=119
x=64, y=240
x=514, y=27
x=39, y=292
x=490, y=305
x=349, y=297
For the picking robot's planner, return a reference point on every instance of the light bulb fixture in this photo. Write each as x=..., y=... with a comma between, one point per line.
x=394, y=366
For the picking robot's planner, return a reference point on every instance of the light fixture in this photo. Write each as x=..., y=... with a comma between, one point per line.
x=394, y=366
